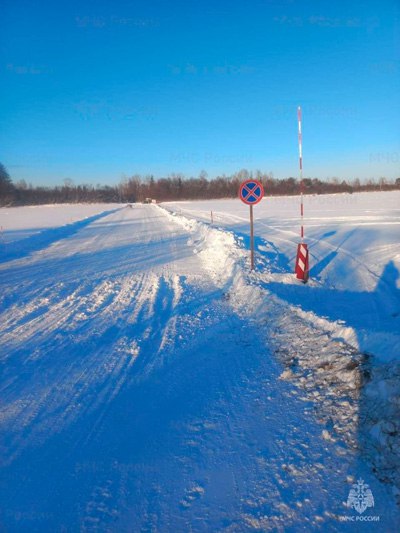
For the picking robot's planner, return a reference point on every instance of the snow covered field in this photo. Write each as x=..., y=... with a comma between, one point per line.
x=151, y=383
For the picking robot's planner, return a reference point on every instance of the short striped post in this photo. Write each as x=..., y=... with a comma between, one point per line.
x=302, y=263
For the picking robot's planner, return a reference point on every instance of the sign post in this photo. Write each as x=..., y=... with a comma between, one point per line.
x=251, y=193
x=251, y=239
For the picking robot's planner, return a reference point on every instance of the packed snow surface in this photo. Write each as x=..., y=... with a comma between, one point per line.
x=150, y=382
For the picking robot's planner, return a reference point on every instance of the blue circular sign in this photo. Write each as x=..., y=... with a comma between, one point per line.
x=251, y=192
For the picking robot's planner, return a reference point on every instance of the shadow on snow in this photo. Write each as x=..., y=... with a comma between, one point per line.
x=43, y=239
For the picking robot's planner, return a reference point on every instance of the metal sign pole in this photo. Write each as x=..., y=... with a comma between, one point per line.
x=251, y=237
x=251, y=192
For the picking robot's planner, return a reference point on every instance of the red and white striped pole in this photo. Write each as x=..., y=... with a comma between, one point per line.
x=302, y=265
x=301, y=173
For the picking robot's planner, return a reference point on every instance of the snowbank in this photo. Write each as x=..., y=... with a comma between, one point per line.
x=354, y=258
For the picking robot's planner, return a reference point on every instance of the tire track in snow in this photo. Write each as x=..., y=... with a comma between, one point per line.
x=137, y=309
x=92, y=326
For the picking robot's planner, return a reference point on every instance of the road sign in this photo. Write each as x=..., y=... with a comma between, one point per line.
x=251, y=192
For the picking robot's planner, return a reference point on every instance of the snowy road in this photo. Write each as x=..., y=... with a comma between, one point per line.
x=141, y=390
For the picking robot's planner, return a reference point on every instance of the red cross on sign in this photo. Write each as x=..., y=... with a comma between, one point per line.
x=251, y=192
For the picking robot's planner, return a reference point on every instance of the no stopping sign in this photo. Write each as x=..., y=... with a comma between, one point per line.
x=251, y=192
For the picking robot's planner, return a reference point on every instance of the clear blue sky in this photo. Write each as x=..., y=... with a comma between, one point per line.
x=94, y=90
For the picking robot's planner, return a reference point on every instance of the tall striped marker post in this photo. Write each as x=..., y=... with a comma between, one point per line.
x=301, y=172
x=302, y=263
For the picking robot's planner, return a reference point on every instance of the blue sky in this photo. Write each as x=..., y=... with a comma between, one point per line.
x=93, y=91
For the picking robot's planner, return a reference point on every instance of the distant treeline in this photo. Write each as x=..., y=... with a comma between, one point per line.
x=175, y=187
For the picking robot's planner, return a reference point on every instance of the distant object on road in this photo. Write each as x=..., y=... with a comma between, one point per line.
x=129, y=205
x=150, y=201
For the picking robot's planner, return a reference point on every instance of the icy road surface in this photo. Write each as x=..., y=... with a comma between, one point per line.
x=141, y=389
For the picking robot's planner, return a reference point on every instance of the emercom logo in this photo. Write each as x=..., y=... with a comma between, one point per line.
x=360, y=497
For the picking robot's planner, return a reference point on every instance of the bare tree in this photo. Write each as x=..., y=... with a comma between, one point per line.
x=7, y=189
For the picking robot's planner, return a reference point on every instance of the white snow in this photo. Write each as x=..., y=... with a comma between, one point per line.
x=151, y=382
x=354, y=259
